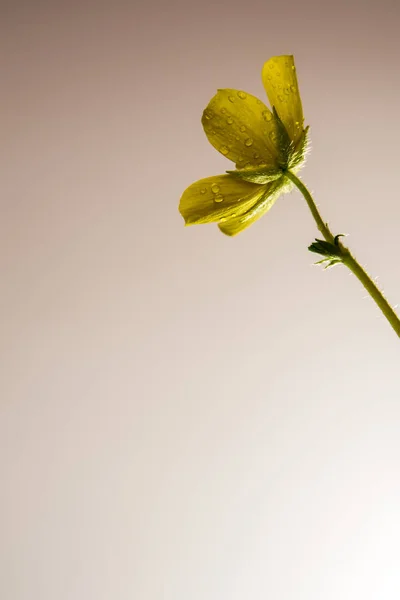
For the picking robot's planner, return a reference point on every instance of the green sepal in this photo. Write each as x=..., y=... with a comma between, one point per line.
x=283, y=141
x=298, y=153
x=257, y=174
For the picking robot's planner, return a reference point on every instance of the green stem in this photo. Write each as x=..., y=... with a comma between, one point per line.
x=347, y=258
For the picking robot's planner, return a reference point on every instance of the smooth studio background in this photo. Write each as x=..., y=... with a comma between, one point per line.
x=185, y=415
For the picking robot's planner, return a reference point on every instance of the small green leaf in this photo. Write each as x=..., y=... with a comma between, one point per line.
x=336, y=240
x=329, y=262
x=331, y=252
x=325, y=249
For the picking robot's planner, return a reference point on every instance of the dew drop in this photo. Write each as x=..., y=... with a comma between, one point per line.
x=218, y=198
x=229, y=120
x=224, y=150
x=256, y=155
x=223, y=219
x=267, y=115
x=293, y=88
x=231, y=99
x=248, y=142
x=215, y=188
x=223, y=110
x=287, y=91
x=273, y=136
x=208, y=115
x=237, y=138
x=243, y=128
x=242, y=95
x=203, y=191
x=280, y=97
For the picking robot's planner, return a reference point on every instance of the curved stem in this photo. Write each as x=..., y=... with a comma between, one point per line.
x=347, y=258
x=323, y=227
x=373, y=291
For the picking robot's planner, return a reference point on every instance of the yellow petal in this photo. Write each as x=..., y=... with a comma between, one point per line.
x=234, y=225
x=219, y=197
x=242, y=128
x=280, y=82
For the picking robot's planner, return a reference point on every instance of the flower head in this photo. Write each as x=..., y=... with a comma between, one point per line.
x=263, y=144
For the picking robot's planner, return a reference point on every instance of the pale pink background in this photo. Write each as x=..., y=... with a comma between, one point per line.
x=184, y=415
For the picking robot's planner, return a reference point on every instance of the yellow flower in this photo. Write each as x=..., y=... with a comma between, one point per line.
x=263, y=144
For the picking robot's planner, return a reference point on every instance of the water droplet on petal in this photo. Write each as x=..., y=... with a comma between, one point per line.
x=267, y=115
x=256, y=155
x=237, y=138
x=287, y=91
x=224, y=150
x=203, y=191
x=280, y=97
x=248, y=142
x=243, y=128
x=231, y=99
x=218, y=198
x=229, y=120
x=273, y=136
x=293, y=88
x=223, y=219
x=215, y=188
x=242, y=95
x=208, y=114
x=223, y=110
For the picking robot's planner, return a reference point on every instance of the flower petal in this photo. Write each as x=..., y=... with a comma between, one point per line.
x=256, y=174
x=280, y=82
x=234, y=225
x=241, y=127
x=214, y=198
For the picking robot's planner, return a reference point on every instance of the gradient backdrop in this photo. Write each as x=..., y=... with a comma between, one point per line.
x=184, y=415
